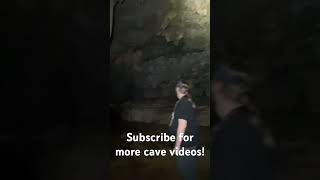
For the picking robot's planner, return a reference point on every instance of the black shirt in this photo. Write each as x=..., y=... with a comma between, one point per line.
x=239, y=152
x=184, y=110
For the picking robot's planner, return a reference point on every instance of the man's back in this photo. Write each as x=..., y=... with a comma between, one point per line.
x=239, y=152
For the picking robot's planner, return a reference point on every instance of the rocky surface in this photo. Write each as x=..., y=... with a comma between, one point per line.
x=144, y=23
x=157, y=78
x=155, y=44
x=147, y=87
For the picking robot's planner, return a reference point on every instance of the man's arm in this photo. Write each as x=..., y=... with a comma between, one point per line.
x=182, y=125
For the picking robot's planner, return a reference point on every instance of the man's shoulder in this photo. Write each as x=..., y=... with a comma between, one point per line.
x=185, y=102
x=242, y=120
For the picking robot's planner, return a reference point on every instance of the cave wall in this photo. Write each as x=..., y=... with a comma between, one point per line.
x=155, y=44
x=143, y=23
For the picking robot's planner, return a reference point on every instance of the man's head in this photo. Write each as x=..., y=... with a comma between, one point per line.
x=182, y=89
x=230, y=86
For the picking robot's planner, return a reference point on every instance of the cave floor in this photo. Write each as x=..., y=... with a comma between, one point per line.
x=156, y=168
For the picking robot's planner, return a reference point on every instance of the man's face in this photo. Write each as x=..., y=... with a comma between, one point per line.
x=218, y=97
x=215, y=90
x=177, y=92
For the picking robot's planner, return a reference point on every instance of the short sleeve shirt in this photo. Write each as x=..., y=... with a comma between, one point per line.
x=184, y=110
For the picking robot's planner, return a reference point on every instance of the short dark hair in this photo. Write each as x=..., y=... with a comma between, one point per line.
x=183, y=85
x=235, y=78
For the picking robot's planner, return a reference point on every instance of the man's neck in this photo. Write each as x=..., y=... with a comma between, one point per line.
x=180, y=96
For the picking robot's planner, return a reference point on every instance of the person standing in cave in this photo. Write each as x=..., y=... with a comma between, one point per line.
x=241, y=144
x=184, y=122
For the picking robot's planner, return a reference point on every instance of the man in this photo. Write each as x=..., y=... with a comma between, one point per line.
x=184, y=121
x=240, y=145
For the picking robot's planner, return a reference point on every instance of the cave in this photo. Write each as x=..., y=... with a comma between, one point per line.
x=277, y=41
x=56, y=114
x=155, y=44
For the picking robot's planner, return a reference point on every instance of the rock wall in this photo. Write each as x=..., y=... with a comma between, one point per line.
x=144, y=23
x=157, y=78
x=155, y=44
